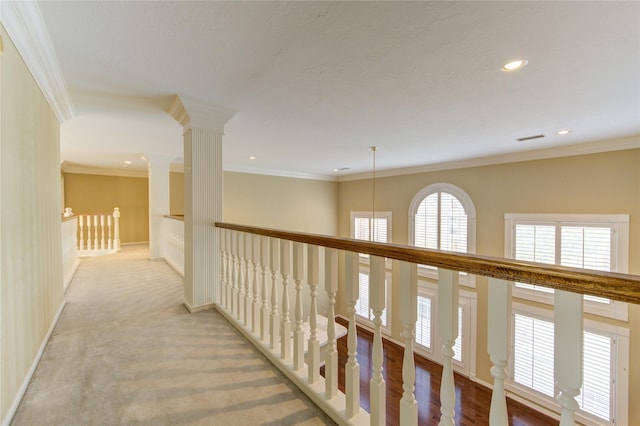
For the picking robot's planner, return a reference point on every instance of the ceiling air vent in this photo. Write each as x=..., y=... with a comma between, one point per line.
x=529, y=138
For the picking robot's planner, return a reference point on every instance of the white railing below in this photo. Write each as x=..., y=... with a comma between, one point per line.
x=70, y=260
x=173, y=242
x=97, y=234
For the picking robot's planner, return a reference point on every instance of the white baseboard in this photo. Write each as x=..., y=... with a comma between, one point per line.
x=25, y=383
x=69, y=277
x=174, y=266
x=200, y=308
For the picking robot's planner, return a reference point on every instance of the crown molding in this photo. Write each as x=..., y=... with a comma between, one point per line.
x=620, y=144
x=278, y=173
x=67, y=167
x=24, y=24
x=199, y=115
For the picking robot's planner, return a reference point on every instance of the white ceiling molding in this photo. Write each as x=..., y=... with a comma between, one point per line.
x=279, y=173
x=194, y=114
x=67, y=167
x=539, y=154
x=24, y=24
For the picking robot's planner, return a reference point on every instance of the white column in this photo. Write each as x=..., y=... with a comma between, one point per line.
x=158, y=200
x=448, y=324
x=498, y=336
x=203, y=197
x=568, y=336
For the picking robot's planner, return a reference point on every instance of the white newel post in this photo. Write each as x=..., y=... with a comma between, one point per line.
x=264, y=309
x=377, y=302
x=285, y=270
x=274, y=319
x=203, y=196
x=116, y=228
x=298, y=333
x=498, y=335
x=313, y=270
x=255, y=261
x=408, y=316
x=352, y=368
x=568, y=351
x=158, y=170
x=331, y=354
x=448, y=321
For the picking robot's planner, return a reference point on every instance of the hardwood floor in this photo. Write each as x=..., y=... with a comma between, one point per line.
x=472, y=399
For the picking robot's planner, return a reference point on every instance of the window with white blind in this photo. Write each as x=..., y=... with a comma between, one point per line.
x=426, y=332
x=369, y=227
x=598, y=242
x=605, y=364
x=442, y=217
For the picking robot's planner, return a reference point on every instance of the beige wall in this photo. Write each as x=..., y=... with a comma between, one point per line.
x=278, y=202
x=176, y=193
x=31, y=288
x=86, y=193
x=597, y=183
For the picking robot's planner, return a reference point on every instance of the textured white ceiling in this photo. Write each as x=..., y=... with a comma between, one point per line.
x=316, y=84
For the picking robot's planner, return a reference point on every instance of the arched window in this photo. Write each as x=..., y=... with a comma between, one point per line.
x=442, y=217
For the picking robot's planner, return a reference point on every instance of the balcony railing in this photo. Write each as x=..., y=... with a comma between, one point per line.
x=259, y=267
x=98, y=233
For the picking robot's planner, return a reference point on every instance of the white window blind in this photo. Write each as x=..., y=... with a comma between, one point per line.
x=362, y=306
x=423, y=324
x=362, y=229
x=440, y=223
x=533, y=362
x=457, y=347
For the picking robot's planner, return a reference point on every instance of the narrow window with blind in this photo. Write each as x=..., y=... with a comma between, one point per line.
x=442, y=217
x=369, y=227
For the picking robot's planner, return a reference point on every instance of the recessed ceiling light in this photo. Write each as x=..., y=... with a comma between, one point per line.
x=252, y=157
x=341, y=169
x=563, y=132
x=515, y=65
x=128, y=163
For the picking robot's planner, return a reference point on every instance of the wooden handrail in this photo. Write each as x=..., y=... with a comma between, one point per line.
x=174, y=217
x=615, y=286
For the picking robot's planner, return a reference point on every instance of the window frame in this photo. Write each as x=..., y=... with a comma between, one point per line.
x=619, y=223
x=467, y=204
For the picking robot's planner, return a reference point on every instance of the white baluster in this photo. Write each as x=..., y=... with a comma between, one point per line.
x=298, y=334
x=234, y=273
x=109, y=239
x=81, y=226
x=248, y=294
x=498, y=336
x=88, y=232
x=408, y=316
x=352, y=368
x=377, y=301
x=448, y=320
x=255, y=260
x=264, y=310
x=285, y=270
x=274, y=319
x=116, y=228
x=313, y=347
x=227, y=267
x=331, y=354
x=222, y=233
x=568, y=351
x=95, y=232
x=102, y=244
x=241, y=277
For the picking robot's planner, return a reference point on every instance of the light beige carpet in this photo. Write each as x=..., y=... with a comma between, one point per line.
x=126, y=351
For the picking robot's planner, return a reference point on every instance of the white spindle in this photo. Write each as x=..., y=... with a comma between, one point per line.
x=331, y=354
x=298, y=333
x=255, y=260
x=377, y=301
x=95, y=232
x=248, y=293
x=285, y=270
x=116, y=228
x=568, y=352
x=229, y=269
x=498, y=335
x=88, y=232
x=313, y=348
x=102, y=243
x=81, y=239
x=274, y=319
x=264, y=309
x=408, y=316
x=352, y=368
x=223, y=266
x=234, y=273
x=448, y=320
x=241, y=278
x=109, y=239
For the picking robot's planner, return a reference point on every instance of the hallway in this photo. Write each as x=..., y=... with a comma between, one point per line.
x=125, y=351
